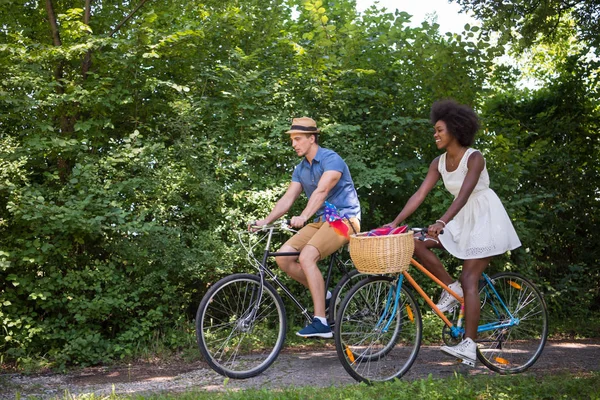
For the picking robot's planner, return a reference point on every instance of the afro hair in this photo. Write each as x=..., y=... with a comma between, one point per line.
x=461, y=121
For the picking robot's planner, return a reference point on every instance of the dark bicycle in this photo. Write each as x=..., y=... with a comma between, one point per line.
x=241, y=321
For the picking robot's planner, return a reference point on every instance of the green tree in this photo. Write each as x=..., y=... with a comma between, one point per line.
x=106, y=216
x=529, y=21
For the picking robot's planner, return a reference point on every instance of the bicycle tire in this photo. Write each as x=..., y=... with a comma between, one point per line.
x=341, y=290
x=232, y=342
x=513, y=349
x=370, y=354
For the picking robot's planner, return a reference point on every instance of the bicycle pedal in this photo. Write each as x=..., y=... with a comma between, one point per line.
x=470, y=363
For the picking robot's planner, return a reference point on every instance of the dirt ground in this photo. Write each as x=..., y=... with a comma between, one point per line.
x=292, y=368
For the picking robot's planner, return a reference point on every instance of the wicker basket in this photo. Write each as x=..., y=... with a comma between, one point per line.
x=382, y=254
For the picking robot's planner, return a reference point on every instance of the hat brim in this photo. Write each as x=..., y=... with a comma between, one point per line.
x=306, y=132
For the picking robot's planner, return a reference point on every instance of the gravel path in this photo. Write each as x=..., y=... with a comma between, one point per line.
x=309, y=368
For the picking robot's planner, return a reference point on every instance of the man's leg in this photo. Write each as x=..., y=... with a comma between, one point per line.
x=315, y=282
x=291, y=266
x=304, y=268
x=323, y=243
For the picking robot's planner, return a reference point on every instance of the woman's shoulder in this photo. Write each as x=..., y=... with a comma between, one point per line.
x=471, y=152
x=474, y=157
x=438, y=163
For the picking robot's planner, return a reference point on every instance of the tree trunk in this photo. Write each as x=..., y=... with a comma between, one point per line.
x=87, y=60
x=58, y=72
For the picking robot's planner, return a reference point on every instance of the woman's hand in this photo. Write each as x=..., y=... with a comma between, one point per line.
x=435, y=229
x=391, y=224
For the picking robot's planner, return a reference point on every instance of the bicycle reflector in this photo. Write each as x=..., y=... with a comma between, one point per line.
x=349, y=354
x=411, y=316
x=515, y=285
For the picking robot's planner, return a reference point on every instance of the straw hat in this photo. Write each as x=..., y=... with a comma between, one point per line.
x=303, y=125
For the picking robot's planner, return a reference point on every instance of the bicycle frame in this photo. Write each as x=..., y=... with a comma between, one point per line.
x=495, y=297
x=456, y=330
x=265, y=271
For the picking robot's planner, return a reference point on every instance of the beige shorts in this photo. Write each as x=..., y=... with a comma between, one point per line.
x=322, y=236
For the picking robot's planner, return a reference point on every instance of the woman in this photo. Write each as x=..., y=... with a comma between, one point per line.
x=475, y=226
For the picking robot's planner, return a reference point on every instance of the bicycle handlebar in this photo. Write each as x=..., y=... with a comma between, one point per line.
x=279, y=224
x=422, y=231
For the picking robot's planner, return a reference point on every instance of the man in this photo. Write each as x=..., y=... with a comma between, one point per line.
x=323, y=176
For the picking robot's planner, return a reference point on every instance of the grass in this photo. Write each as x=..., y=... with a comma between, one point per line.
x=567, y=386
x=458, y=387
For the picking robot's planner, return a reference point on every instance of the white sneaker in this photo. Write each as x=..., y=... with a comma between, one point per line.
x=466, y=351
x=447, y=302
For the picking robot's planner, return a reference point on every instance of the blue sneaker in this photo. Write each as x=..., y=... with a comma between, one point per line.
x=316, y=329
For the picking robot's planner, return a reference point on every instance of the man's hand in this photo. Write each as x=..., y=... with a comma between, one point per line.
x=298, y=222
x=253, y=224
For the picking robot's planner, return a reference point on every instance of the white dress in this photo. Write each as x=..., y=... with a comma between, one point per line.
x=482, y=227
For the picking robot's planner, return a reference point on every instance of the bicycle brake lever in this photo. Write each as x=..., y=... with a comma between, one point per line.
x=423, y=232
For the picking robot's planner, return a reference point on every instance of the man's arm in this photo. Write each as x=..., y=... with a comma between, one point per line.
x=283, y=205
x=328, y=180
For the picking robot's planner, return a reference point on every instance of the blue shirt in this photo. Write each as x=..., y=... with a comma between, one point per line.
x=342, y=195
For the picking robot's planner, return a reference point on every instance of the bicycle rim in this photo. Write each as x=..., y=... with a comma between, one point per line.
x=512, y=349
x=372, y=343
x=236, y=338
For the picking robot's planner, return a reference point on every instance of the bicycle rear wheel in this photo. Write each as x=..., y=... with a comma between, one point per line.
x=372, y=342
x=515, y=348
x=238, y=337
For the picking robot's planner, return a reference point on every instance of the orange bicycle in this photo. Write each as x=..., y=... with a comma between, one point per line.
x=379, y=327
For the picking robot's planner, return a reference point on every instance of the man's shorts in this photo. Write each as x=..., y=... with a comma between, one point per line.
x=322, y=236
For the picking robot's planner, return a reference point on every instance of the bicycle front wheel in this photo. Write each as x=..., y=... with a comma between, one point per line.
x=239, y=336
x=373, y=342
x=516, y=346
x=341, y=290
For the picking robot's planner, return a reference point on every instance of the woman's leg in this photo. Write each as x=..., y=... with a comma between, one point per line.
x=469, y=279
x=430, y=261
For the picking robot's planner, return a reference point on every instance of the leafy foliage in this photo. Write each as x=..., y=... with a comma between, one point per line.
x=554, y=134
x=527, y=22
